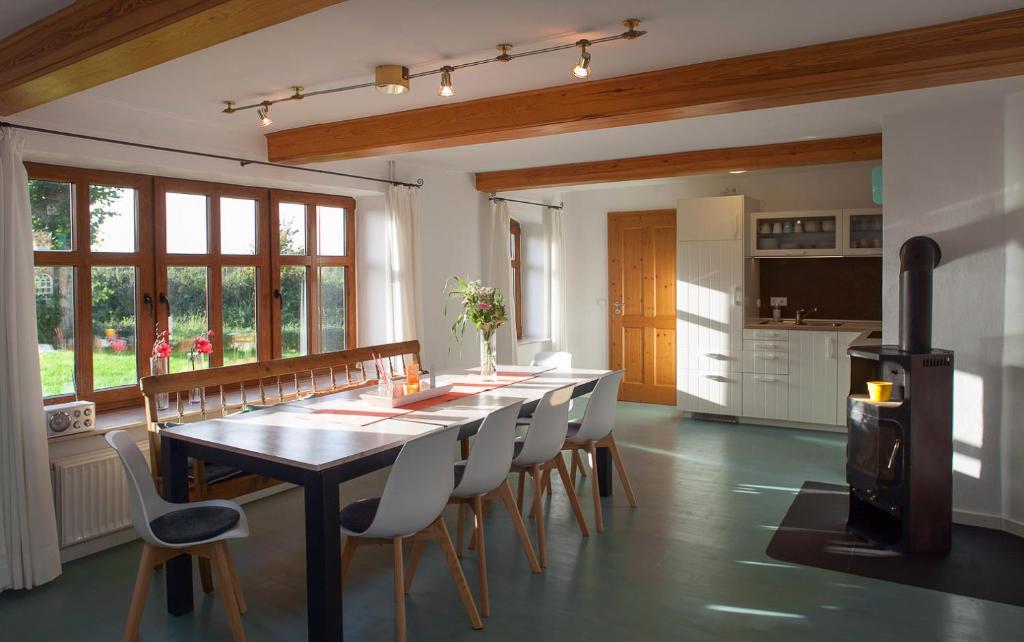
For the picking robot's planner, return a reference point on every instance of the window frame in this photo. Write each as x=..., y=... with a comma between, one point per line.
x=515, y=231
x=214, y=260
x=82, y=258
x=312, y=261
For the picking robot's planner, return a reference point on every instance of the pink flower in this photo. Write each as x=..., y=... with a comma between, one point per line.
x=484, y=306
x=162, y=350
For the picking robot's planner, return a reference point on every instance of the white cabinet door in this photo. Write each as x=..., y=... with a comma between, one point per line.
x=710, y=392
x=843, y=376
x=766, y=396
x=862, y=232
x=713, y=218
x=709, y=306
x=813, y=368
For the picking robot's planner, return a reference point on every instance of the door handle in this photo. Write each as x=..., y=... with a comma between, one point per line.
x=163, y=301
x=277, y=295
x=737, y=296
x=767, y=357
x=833, y=348
x=148, y=300
x=892, y=455
x=617, y=308
x=766, y=379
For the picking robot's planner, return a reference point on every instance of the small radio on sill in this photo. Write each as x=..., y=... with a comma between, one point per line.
x=71, y=417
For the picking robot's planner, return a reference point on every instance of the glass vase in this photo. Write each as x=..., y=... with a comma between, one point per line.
x=489, y=355
x=161, y=366
x=199, y=362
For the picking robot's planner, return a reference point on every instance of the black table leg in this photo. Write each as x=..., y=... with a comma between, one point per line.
x=604, y=471
x=174, y=469
x=323, y=559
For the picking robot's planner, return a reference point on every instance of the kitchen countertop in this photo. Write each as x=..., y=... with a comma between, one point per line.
x=812, y=324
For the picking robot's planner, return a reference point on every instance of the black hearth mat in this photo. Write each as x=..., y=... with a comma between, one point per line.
x=984, y=563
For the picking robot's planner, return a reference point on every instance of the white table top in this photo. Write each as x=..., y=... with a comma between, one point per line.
x=294, y=435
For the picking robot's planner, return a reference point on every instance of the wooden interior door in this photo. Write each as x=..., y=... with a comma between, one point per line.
x=642, y=303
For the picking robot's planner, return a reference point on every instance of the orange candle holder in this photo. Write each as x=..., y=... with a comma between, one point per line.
x=412, y=377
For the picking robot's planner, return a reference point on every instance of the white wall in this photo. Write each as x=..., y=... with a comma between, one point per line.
x=831, y=186
x=1012, y=434
x=944, y=178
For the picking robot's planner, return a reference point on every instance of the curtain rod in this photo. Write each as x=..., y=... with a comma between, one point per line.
x=242, y=161
x=494, y=197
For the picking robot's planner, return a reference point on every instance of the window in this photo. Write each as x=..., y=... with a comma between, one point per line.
x=94, y=263
x=116, y=254
x=313, y=268
x=516, y=251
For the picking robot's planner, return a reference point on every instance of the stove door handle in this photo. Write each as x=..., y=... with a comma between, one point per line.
x=892, y=456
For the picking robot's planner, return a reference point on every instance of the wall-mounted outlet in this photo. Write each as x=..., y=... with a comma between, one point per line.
x=779, y=301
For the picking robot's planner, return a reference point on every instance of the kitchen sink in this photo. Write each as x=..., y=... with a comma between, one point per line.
x=822, y=324
x=811, y=323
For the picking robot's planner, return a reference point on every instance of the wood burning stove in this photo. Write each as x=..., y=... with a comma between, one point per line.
x=899, y=453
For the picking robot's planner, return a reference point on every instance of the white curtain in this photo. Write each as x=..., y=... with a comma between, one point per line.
x=29, y=553
x=499, y=275
x=554, y=224
x=401, y=216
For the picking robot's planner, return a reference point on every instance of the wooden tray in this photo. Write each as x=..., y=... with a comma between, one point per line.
x=404, y=400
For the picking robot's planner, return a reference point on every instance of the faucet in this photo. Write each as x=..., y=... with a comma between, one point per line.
x=803, y=313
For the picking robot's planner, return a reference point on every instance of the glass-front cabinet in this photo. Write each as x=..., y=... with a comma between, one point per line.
x=862, y=232
x=804, y=233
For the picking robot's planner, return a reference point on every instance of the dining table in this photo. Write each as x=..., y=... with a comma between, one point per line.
x=321, y=441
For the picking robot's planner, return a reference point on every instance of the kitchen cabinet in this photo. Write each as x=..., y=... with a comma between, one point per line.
x=712, y=218
x=766, y=396
x=813, y=377
x=709, y=301
x=843, y=376
x=862, y=232
x=710, y=392
x=803, y=233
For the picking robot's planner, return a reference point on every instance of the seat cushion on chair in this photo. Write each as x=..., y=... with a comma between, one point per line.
x=195, y=524
x=357, y=516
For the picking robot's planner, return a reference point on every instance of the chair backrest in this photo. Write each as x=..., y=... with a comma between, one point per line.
x=599, y=417
x=144, y=503
x=418, y=488
x=266, y=383
x=491, y=457
x=546, y=434
x=555, y=359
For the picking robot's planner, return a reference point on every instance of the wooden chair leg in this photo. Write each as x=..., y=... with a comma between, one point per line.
x=517, y=521
x=595, y=488
x=242, y=606
x=621, y=469
x=519, y=491
x=575, y=459
x=547, y=481
x=481, y=557
x=205, y=575
x=218, y=554
x=460, y=525
x=146, y=564
x=536, y=510
x=414, y=562
x=579, y=461
x=570, y=490
x=348, y=551
x=444, y=540
x=396, y=547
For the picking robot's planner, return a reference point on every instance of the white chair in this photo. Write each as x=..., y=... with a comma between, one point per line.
x=595, y=431
x=484, y=476
x=169, y=530
x=540, y=451
x=415, y=495
x=553, y=359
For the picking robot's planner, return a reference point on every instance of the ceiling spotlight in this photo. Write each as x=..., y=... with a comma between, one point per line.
x=737, y=171
x=582, y=67
x=392, y=79
x=446, y=88
x=263, y=113
x=504, y=56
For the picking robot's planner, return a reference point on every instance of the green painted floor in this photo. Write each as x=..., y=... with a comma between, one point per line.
x=688, y=564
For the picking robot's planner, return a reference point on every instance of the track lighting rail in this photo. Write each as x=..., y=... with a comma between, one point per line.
x=631, y=33
x=242, y=161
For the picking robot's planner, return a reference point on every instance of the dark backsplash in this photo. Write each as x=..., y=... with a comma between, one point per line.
x=841, y=288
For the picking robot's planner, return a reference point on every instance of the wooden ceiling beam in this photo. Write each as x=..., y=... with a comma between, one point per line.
x=91, y=42
x=705, y=161
x=968, y=50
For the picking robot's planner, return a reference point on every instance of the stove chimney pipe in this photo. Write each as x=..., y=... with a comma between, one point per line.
x=919, y=256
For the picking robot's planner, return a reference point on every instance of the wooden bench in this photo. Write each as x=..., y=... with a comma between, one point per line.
x=232, y=389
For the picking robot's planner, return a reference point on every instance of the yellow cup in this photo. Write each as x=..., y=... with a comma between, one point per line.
x=879, y=390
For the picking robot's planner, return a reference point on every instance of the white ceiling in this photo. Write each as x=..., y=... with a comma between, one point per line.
x=16, y=14
x=180, y=101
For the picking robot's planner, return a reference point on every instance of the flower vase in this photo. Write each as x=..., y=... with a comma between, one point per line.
x=489, y=355
x=161, y=366
x=199, y=362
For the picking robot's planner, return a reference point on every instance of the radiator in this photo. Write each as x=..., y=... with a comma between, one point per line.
x=90, y=493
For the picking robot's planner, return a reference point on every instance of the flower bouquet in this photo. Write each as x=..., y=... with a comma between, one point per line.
x=199, y=358
x=160, y=362
x=484, y=307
